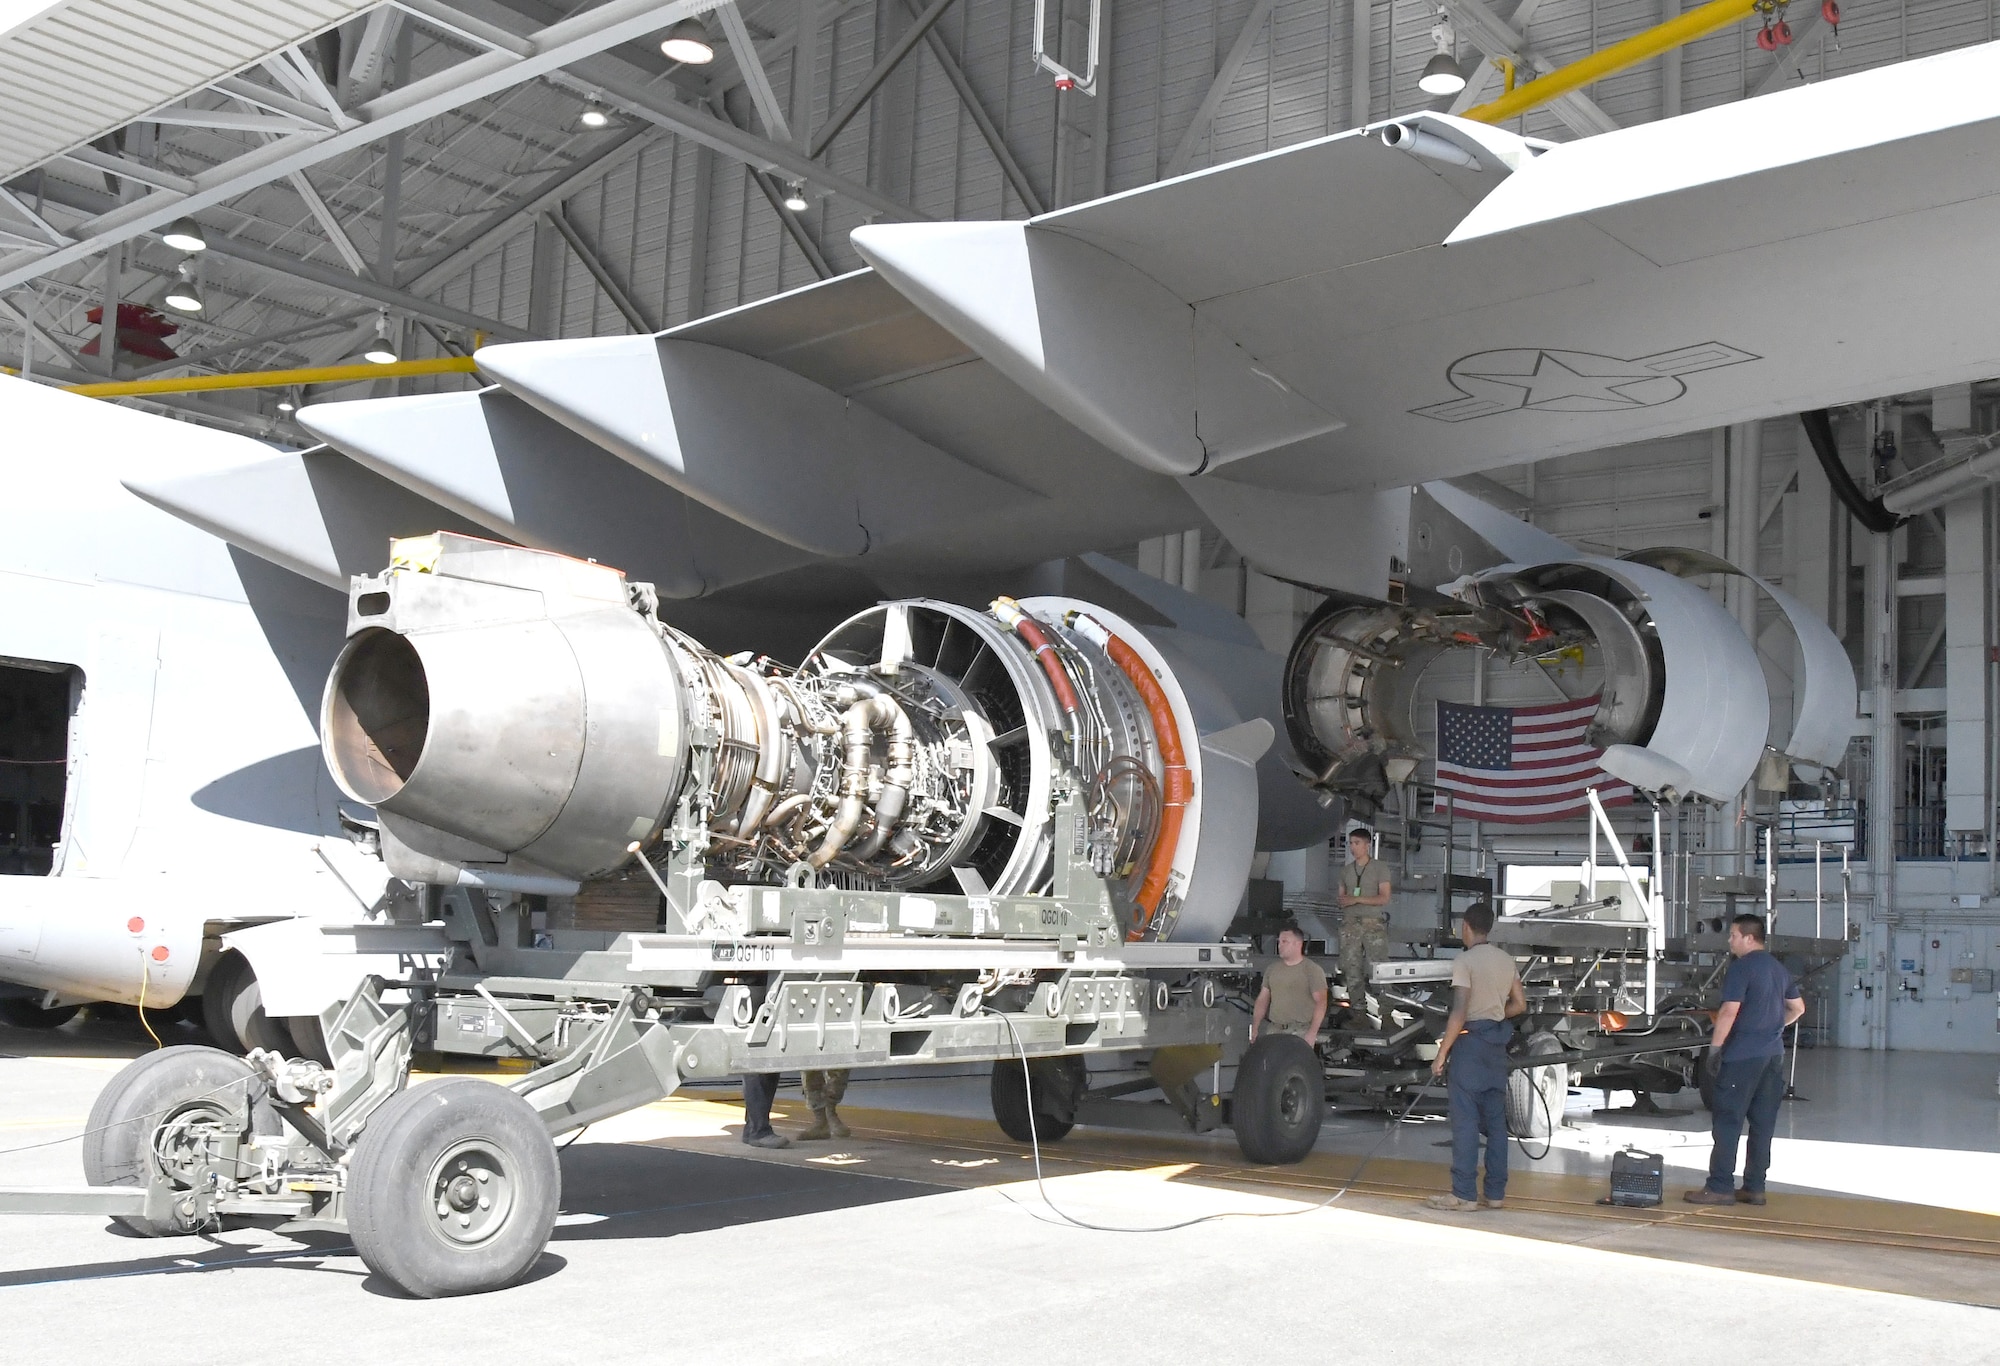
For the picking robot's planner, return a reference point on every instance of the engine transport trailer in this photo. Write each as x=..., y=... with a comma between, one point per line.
x=950, y=836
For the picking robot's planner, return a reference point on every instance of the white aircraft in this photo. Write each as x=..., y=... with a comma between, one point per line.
x=1284, y=345
x=161, y=774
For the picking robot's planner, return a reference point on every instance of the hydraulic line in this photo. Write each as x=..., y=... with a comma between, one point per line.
x=1177, y=781
x=1030, y=631
x=1867, y=511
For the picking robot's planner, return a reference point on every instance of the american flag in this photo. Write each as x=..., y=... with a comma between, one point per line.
x=1522, y=765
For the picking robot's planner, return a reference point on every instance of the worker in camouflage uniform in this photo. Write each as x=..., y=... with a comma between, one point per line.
x=1364, y=929
x=823, y=1092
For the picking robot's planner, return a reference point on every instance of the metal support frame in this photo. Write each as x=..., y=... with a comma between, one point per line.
x=858, y=98
x=793, y=228
x=1225, y=76
x=1010, y=166
x=1506, y=40
x=1808, y=34
x=1678, y=32
x=586, y=252
x=548, y=51
x=504, y=223
x=330, y=225
x=314, y=272
x=739, y=144
x=1481, y=76
x=755, y=79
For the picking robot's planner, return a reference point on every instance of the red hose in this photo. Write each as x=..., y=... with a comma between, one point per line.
x=1028, y=629
x=1038, y=641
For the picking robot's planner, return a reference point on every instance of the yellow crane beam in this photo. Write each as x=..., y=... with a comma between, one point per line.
x=275, y=379
x=1696, y=23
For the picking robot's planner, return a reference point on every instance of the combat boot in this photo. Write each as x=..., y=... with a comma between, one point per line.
x=820, y=1128
x=830, y=1120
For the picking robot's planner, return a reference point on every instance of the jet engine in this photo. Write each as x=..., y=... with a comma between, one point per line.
x=1683, y=710
x=523, y=721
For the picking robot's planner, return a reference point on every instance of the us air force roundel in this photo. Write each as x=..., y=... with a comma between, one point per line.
x=1572, y=381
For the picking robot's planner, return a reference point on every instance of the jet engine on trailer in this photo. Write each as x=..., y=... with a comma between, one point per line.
x=523, y=723
x=1012, y=836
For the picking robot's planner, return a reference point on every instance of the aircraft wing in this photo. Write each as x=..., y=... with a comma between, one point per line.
x=1418, y=300
x=1348, y=314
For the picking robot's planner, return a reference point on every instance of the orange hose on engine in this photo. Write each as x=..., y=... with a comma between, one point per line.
x=1177, y=785
x=1029, y=630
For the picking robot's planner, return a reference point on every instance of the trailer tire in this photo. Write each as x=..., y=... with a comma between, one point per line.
x=1279, y=1100
x=119, y=1135
x=232, y=1009
x=472, y=1149
x=1009, y=1091
x=22, y=1013
x=1536, y=1095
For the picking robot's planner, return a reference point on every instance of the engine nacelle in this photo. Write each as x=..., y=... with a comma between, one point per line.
x=523, y=721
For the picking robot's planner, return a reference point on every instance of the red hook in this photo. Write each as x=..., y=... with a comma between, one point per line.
x=1829, y=10
x=1781, y=33
x=1766, y=40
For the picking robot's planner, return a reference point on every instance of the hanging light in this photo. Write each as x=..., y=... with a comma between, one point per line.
x=688, y=41
x=382, y=351
x=594, y=115
x=288, y=402
x=185, y=235
x=181, y=293
x=1441, y=74
x=795, y=196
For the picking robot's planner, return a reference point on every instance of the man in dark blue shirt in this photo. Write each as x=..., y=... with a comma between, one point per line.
x=1759, y=999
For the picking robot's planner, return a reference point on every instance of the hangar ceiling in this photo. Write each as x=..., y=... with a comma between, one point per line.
x=426, y=162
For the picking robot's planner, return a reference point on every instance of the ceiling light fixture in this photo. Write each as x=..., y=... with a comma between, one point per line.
x=594, y=115
x=688, y=41
x=1441, y=74
x=795, y=196
x=181, y=293
x=185, y=235
x=383, y=350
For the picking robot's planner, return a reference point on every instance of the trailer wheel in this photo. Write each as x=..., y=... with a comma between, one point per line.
x=232, y=1009
x=1536, y=1095
x=1010, y=1098
x=154, y=1111
x=1279, y=1100
x=22, y=1013
x=453, y=1189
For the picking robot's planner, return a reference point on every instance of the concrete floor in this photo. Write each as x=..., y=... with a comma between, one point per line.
x=925, y=1235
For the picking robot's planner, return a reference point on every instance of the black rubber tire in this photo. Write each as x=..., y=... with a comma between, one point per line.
x=1279, y=1100
x=232, y=1010
x=308, y=1038
x=1010, y=1104
x=22, y=1013
x=119, y=1134
x=1705, y=1078
x=1536, y=1095
x=403, y=1162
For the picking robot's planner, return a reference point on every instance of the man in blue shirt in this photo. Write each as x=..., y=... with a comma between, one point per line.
x=1759, y=998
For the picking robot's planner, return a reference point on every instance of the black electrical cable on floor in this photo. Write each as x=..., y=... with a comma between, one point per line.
x=1064, y=1217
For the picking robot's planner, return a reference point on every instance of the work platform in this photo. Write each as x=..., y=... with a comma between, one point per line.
x=665, y=1200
